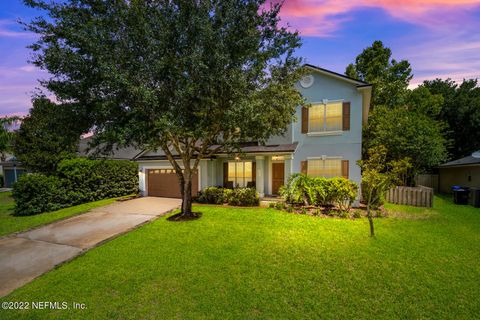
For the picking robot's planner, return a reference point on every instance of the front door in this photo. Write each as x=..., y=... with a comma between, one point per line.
x=278, y=176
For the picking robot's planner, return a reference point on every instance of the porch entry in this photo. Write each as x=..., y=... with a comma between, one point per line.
x=278, y=176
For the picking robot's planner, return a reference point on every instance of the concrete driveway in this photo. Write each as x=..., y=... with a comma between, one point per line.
x=27, y=255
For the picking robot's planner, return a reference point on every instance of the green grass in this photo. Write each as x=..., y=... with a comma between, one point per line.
x=10, y=223
x=261, y=263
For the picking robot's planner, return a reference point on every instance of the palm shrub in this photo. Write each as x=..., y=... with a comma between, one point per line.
x=299, y=189
x=322, y=195
x=317, y=191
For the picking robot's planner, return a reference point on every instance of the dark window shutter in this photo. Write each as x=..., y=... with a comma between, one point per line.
x=345, y=169
x=225, y=173
x=304, y=166
x=254, y=171
x=346, y=116
x=304, y=120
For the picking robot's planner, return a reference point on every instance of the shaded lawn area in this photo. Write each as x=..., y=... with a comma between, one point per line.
x=10, y=223
x=237, y=263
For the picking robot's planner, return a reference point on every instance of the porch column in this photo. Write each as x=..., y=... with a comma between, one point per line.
x=288, y=166
x=260, y=175
x=142, y=181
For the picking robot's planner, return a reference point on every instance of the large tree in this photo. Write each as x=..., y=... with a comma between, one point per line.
x=49, y=134
x=390, y=78
x=461, y=111
x=187, y=77
x=406, y=131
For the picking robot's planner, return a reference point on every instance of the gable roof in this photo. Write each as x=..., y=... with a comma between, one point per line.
x=466, y=161
x=358, y=83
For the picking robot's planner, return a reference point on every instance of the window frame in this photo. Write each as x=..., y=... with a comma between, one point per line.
x=324, y=104
x=338, y=158
x=236, y=177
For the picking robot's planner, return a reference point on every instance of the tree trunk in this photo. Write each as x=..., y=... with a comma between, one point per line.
x=370, y=220
x=187, y=198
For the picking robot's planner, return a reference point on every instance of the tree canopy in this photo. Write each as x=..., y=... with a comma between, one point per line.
x=407, y=123
x=407, y=133
x=49, y=134
x=390, y=78
x=460, y=109
x=188, y=77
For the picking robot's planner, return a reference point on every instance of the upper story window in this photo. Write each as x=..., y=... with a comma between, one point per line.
x=325, y=117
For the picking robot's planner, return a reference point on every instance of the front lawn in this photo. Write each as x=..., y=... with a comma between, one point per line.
x=10, y=223
x=239, y=263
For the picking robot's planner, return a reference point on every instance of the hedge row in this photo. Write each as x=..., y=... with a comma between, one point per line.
x=234, y=197
x=76, y=181
x=320, y=192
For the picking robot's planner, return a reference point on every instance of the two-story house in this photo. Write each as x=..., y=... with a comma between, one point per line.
x=325, y=140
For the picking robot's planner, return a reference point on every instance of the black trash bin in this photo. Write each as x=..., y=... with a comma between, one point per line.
x=460, y=196
x=475, y=197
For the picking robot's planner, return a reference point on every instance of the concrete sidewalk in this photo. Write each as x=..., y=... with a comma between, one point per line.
x=25, y=256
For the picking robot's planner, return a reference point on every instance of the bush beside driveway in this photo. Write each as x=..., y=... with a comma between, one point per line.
x=10, y=224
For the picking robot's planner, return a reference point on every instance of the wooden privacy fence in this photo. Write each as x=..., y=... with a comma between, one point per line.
x=413, y=196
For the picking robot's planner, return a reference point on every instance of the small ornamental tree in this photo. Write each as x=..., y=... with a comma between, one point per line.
x=378, y=177
x=188, y=77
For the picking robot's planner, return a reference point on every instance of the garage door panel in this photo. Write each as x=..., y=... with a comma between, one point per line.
x=164, y=183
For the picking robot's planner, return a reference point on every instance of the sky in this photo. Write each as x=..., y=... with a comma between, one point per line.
x=440, y=38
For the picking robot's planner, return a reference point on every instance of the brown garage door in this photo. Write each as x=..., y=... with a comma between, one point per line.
x=164, y=183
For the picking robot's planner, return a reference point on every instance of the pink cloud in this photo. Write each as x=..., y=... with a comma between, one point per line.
x=321, y=17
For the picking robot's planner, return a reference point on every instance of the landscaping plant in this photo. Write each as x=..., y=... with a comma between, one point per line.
x=320, y=192
x=378, y=177
x=76, y=181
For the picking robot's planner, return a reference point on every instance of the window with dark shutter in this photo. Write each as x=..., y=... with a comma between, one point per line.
x=304, y=167
x=304, y=120
x=345, y=165
x=346, y=116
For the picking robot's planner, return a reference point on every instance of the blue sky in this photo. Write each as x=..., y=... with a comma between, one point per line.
x=440, y=38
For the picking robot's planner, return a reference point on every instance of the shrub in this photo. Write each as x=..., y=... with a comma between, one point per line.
x=90, y=180
x=339, y=192
x=244, y=197
x=342, y=192
x=299, y=189
x=76, y=181
x=356, y=214
x=214, y=195
x=36, y=193
x=280, y=205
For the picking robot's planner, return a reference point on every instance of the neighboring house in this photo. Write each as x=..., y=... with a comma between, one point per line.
x=463, y=172
x=326, y=141
x=11, y=170
x=125, y=153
